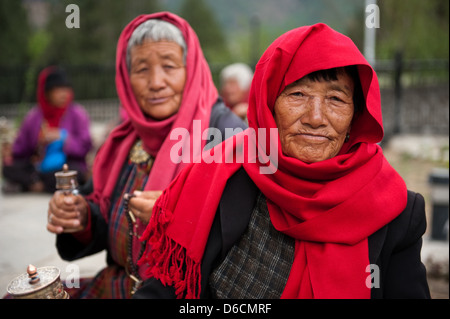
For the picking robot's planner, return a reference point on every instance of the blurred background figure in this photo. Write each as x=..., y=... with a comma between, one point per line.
x=235, y=80
x=6, y=139
x=54, y=132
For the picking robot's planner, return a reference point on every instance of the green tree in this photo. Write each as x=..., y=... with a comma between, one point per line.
x=14, y=33
x=88, y=53
x=417, y=28
x=14, y=36
x=101, y=22
x=208, y=30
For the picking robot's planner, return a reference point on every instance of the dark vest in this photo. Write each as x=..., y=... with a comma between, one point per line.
x=258, y=266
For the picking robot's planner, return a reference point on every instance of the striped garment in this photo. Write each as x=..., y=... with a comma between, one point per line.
x=113, y=281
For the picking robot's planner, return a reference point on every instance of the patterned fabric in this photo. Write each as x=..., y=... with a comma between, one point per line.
x=258, y=266
x=113, y=281
x=133, y=177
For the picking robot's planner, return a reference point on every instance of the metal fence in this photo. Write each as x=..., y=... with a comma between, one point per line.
x=90, y=82
x=414, y=93
x=414, y=96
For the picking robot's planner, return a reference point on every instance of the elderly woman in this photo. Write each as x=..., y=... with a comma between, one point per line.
x=235, y=80
x=163, y=82
x=331, y=219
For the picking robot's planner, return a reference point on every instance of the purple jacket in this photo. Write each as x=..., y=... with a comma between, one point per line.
x=75, y=120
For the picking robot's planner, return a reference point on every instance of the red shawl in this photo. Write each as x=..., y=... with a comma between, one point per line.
x=329, y=207
x=199, y=95
x=51, y=113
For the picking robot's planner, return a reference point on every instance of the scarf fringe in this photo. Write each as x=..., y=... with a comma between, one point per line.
x=167, y=260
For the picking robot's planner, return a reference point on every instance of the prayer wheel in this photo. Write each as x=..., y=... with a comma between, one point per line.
x=66, y=180
x=38, y=283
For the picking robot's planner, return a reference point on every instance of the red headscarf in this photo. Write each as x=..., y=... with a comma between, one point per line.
x=199, y=95
x=329, y=207
x=52, y=114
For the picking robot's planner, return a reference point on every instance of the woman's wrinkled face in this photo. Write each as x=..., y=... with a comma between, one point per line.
x=314, y=117
x=157, y=77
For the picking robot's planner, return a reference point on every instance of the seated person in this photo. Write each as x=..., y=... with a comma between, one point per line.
x=54, y=132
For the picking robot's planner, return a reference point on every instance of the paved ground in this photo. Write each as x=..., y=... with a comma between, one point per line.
x=24, y=238
x=415, y=157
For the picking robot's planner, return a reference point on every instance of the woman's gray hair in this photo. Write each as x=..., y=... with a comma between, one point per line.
x=240, y=72
x=155, y=30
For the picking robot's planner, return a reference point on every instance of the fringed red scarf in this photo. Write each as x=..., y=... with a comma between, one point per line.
x=51, y=113
x=199, y=96
x=330, y=207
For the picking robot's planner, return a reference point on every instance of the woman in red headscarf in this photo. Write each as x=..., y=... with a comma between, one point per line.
x=165, y=85
x=317, y=213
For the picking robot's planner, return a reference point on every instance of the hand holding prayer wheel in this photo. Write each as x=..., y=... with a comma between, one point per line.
x=67, y=210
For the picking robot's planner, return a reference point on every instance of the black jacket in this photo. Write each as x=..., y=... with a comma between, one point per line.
x=395, y=248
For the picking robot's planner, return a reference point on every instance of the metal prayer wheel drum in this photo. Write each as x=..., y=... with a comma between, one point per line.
x=38, y=283
x=66, y=180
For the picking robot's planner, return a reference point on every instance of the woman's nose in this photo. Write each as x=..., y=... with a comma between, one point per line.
x=156, y=80
x=314, y=115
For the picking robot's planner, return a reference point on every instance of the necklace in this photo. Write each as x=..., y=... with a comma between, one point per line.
x=137, y=156
x=133, y=272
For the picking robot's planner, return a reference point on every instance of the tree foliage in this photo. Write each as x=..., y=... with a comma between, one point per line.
x=416, y=28
x=14, y=33
x=202, y=20
x=101, y=22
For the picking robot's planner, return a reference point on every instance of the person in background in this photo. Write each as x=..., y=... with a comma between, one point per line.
x=323, y=215
x=235, y=80
x=164, y=84
x=54, y=132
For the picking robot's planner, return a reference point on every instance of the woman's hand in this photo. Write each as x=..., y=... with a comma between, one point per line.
x=66, y=213
x=49, y=135
x=141, y=205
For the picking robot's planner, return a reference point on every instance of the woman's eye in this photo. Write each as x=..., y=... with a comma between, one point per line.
x=169, y=67
x=141, y=70
x=336, y=99
x=297, y=94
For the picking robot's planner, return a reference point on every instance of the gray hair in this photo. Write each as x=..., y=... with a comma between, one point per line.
x=240, y=72
x=155, y=30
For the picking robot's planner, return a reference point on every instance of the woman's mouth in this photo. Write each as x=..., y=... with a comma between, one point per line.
x=158, y=100
x=313, y=137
